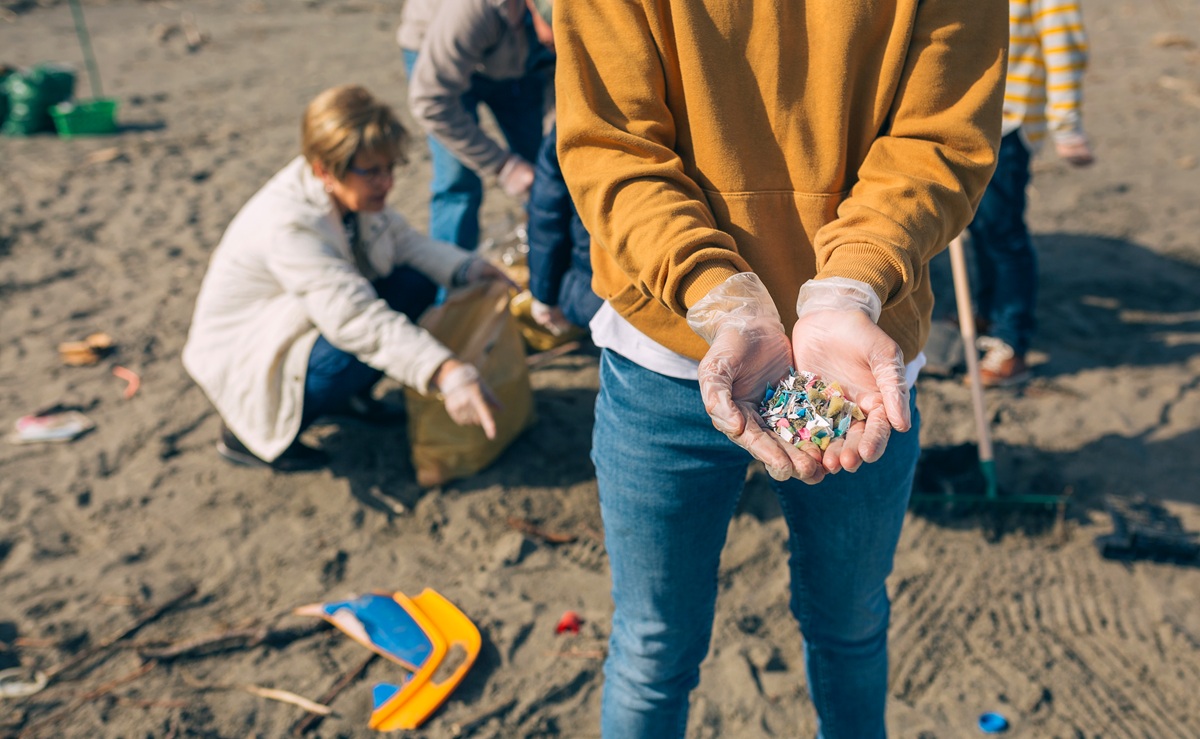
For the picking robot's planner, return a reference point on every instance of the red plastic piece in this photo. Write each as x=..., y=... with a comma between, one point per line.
x=570, y=623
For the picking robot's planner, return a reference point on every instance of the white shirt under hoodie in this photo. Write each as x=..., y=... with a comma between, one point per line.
x=284, y=274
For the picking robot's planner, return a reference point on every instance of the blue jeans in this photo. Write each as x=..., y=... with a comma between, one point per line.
x=1005, y=288
x=669, y=484
x=457, y=192
x=335, y=376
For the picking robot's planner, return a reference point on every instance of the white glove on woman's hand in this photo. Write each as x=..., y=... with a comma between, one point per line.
x=515, y=176
x=468, y=400
x=836, y=337
x=748, y=352
x=550, y=317
x=477, y=269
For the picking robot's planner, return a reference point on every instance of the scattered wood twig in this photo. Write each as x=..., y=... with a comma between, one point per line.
x=108, y=687
x=286, y=696
x=103, y=156
x=312, y=720
x=532, y=529
x=152, y=614
x=579, y=653
x=203, y=646
x=533, y=361
x=32, y=642
x=145, y=703
x=68, y=709
x=275, y=694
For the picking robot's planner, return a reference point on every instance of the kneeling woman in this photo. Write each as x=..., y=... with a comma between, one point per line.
x=314, y=291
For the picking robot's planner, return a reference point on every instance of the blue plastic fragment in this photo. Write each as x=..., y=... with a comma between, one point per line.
x=993, y=723
x=383, y=692
x=388, y=626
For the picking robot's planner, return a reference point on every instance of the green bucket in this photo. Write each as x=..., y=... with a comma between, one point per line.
x=85, y=117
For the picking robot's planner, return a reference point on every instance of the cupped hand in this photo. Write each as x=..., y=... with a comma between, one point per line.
x=845, y=346
x=748, y=352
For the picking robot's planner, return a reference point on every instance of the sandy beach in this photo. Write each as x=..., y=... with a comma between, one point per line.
x=1010, y=610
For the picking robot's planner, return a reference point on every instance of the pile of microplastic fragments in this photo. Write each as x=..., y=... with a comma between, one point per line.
x=803, y=407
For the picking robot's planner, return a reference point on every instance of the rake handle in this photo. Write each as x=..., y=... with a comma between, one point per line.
x=85, y=42
x=966, y=324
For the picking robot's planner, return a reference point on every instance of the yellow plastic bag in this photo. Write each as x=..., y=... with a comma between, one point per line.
x=475, y=323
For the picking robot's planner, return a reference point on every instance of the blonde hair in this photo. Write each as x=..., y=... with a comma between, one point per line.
x=344, y=120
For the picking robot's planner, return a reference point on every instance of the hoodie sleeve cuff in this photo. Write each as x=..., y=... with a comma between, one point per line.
x=704, y=278
x=869, y=264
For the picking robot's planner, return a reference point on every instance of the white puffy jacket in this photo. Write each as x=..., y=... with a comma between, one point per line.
x=284, y=274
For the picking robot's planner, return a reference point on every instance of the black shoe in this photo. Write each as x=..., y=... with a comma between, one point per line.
x=296, y=458
x=366, y=409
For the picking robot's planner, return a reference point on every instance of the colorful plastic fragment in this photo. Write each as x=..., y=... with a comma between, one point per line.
x=569, y=623
x=803, y=407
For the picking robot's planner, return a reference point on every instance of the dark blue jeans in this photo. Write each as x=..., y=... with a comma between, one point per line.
x=457, y=192
x=1005, y=288
x=335, y=376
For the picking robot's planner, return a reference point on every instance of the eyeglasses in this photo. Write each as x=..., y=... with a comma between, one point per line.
x=374, y=174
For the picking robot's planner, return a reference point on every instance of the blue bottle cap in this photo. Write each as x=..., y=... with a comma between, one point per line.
x=992, y=723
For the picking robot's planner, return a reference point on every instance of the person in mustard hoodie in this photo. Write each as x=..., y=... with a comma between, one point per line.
x=765, y=184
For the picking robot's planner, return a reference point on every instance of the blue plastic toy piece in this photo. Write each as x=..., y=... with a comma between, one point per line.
x=993, y=723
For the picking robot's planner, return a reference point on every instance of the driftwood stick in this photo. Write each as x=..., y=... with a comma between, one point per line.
x=202, y=646
x=287, y=696
x=68, y=709
x=108, y=687
x=533, y=361
x=141, y=621
x=236, y=639
x=312, y=720
x=532, y=529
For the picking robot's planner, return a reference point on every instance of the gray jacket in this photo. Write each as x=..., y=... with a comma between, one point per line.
x=455, y=39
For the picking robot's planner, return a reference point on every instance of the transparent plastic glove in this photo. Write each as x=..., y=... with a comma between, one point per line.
x=478, y=269
x=468, y=400
x=550, y=317
x=1075, y=148
x=748, y=352
x=515, y=176
x=836, y=337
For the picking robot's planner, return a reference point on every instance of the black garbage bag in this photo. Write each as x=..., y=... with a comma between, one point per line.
x=31, y=93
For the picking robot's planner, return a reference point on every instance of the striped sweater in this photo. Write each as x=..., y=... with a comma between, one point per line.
x=1047, y=56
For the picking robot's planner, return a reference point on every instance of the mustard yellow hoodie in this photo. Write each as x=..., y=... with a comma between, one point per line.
x=792, y=138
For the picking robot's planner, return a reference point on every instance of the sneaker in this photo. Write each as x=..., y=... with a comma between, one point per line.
x=296, y=458
x=1000, y=365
